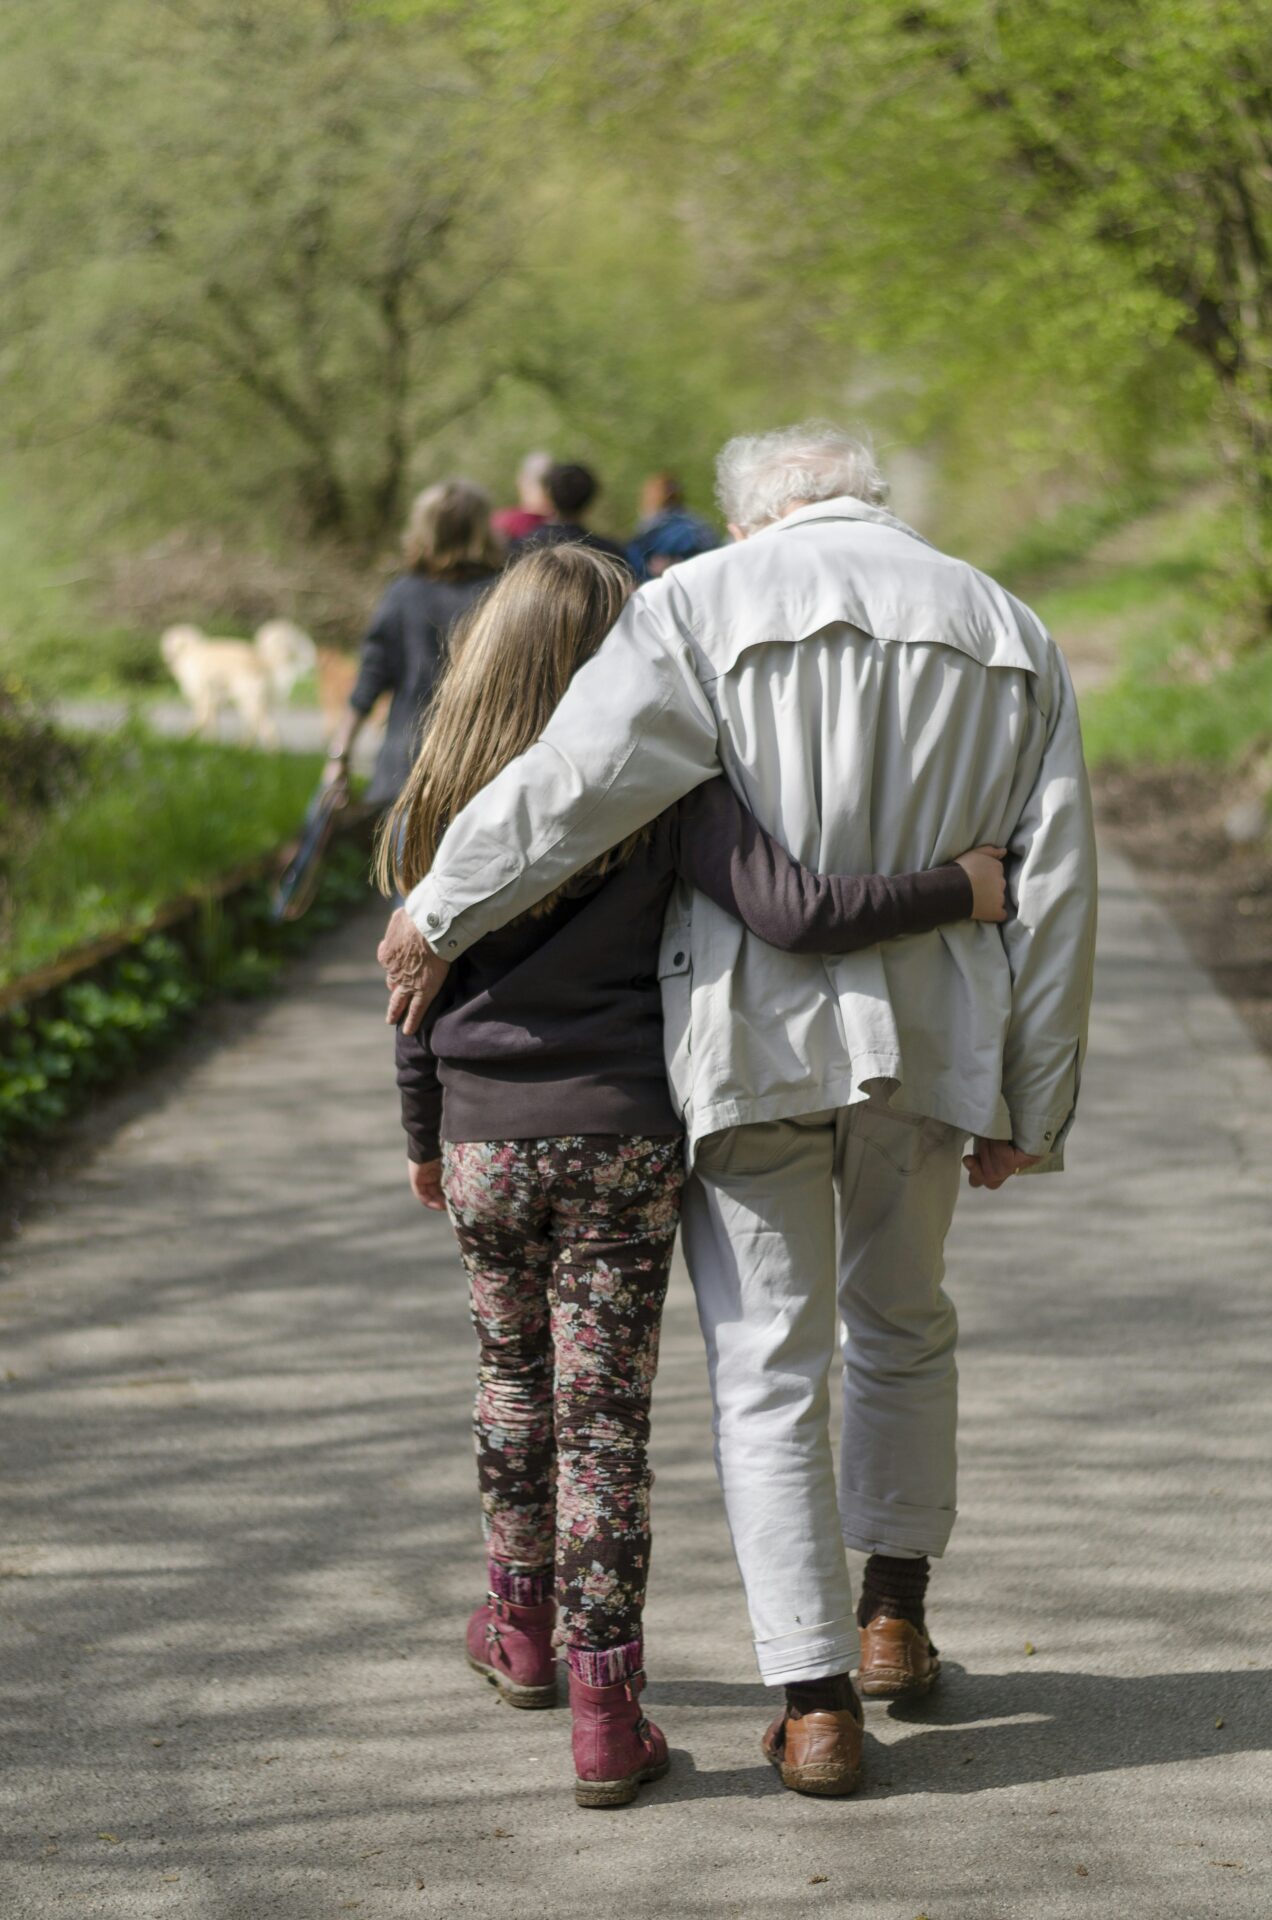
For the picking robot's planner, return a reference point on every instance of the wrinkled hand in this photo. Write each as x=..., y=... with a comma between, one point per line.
x=991, y=1163
x=426, y=1183
x=413, y=973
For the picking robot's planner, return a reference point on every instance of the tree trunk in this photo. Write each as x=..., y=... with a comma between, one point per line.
x=324, y=504
x=386, y=496
x=1255, y=462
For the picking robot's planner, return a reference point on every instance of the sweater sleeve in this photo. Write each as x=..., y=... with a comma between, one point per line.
x=380, y=663
x=722, y=849
x=421, y=1095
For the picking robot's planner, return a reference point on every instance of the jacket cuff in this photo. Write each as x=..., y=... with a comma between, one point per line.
x=1049, y=1163
x=434, y=918
x=1042, y=1135
x=423, y=1147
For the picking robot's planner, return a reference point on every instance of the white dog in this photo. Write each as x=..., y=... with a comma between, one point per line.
x=288, y=652
x=248, y=675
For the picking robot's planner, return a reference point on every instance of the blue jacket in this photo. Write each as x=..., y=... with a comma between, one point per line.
x=672, y=535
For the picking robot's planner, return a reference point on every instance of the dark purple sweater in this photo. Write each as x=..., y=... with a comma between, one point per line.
x=553, y=1025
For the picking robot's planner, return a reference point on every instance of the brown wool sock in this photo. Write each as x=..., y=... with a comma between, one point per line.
x=896, y=1588
x=830, y=1695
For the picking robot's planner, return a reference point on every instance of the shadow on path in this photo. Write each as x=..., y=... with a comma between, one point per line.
x=984, y=1731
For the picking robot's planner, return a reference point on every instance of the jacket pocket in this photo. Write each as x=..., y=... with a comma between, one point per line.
x=905, y=1140
x=675, y=983
x=674, y=955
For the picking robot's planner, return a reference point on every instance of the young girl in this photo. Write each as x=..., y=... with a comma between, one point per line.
x=541, y=1068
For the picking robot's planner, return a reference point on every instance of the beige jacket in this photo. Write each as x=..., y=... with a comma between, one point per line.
x=881, y=707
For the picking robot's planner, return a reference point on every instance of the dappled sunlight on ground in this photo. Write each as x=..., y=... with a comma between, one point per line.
x=242, y=1534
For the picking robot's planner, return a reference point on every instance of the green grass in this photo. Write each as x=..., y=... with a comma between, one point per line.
x=54, y=641
x=56, y=1052
x=47, y=636
x=1171, y=588
x=151, y=820
x=105, y=663
x=83, y=663
x=1187, y=687
x=1164, y=719
x=1067, y=537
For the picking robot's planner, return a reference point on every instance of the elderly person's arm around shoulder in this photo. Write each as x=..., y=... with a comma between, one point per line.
x=413, y=972
x=632, y=734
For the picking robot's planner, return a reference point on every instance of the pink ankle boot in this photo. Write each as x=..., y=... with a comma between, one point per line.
x=511, y=1647
x=615, y=1748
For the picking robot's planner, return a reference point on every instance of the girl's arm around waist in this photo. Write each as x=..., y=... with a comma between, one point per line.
x=722, y=849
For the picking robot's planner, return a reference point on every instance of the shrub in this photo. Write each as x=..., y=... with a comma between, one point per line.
x=147, y=821
x=93, y=1033
x=38, y=768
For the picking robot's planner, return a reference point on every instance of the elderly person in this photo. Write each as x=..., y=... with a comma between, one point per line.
x=451, y=558
x=877, y=704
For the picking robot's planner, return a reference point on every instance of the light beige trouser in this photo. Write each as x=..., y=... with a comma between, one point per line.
x=760, y=1239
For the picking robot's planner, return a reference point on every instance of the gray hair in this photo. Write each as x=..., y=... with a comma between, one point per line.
x=535, y=467
x=761, y=476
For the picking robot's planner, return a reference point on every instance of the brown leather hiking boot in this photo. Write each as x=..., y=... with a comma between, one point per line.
x=898, y=1660
x=816, y=1752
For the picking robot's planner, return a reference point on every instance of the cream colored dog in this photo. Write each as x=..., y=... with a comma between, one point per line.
x=288, y=652
x=247, y=675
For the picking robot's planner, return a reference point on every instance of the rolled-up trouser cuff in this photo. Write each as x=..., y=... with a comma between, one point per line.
x=872, y=1526
x=808, y=1653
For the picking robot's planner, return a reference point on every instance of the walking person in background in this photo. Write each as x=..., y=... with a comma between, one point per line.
x=542, y=1069
x=878, y=704
x=451, y=557
x=514, y=523
x=668, y=532
x=571, y=490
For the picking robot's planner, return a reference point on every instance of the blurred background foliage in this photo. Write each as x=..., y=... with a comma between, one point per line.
x=1031, y=238
x=265, y=270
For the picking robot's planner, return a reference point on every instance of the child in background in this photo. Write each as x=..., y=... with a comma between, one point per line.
x=537, y=1108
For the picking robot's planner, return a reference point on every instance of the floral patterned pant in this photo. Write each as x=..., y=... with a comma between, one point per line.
x=567, y=1245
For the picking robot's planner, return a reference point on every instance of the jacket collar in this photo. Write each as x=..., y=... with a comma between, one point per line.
x=876, y=574
x=845, y=506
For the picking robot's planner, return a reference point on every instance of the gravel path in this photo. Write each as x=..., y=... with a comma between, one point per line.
x=240, y=1541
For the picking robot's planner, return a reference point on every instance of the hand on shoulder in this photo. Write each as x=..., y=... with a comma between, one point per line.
x=413, y=973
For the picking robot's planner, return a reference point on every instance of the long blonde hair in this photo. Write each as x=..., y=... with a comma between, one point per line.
x=511, y=660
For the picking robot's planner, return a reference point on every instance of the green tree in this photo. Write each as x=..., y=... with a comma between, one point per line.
x=251, y=254
x=1131, y=150
x=266, y=268
x=1051, y=219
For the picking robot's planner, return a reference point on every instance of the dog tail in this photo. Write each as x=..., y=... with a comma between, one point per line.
x=288, y=654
